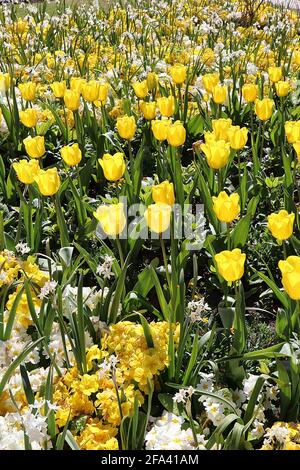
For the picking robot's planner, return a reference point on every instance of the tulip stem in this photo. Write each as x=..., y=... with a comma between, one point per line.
x=163, y=249
x=130, y=157
x=284, y=249
x=120, y=251
x=228, y=236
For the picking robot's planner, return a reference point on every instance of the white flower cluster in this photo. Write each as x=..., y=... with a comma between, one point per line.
x=167, y=433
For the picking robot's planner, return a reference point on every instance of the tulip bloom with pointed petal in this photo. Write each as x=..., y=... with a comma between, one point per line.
x=140, y=89
x=217, y=153
x=28, y=91
x=35, y=146
x=163, y=193
x=48, y=181
x=250, y=92
x=290, y=270
x=178, y=74
x=58, y=89
x=29, y=117
x=111, y=218
x=113, y=166
x=148, y=109
x=166, y=105
x=126, y=127
x=176, y=134
x=230, y=264
x=281, y=225
x=282, y=88
x=210, y=80
x=221, y=127
x=226, y=208
x=72, y=100
x=160, y=129
x=292, y=131
x=71, y=154
x=26, y=170
x=264, y=108
x=219, y=94
x=275, y=74
x=158, y=217
x=237, y=137
x=296, y=146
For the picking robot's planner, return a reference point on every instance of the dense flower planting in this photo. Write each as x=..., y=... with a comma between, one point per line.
x=150, y=225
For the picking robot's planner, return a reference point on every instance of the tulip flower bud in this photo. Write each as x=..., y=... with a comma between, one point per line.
x=148, y=109
x=210, y=80
x=35, y=146
x=140, y=89
x=113, y=166
x=126, y=127
x=226, y=208
x=71, y=154
x=26, y=170
x=163, y=193
x=219, y=93
x=28, y=90
x=250, y=92
x=230, y=264
x=160, y=129
x=217, y=153
x=275, y=74
x=220, y=128
x=59, y=89
x=282, y=88
x=237, y=137
x=72, y=100
x=48, y=181
x=290, y=270
x=166, y=105
x=29, y=117
x=178, y=73
x=111, y=218
x=264, y=108
x=281, y=225
x=158, y=217
x=176, y=134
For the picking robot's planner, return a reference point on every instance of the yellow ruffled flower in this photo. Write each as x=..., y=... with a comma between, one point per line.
x=71, y=154
x=163, y=193
x=26, y=170
x=35, y=146
x=290, y=270
x=48, y=181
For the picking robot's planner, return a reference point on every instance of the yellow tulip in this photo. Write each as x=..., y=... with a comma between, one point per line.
x=72, y=100
x=275, y=74
x=250, y=92
x=35, y=146
x=152, y=81
x=140, y=89
x=226, y=208
x=290, y=270
x=158, y=217
x=113, y=166
x=176, y=134
x=163, y=193
x=111, y=218
x=148, y=109
x=166, y=105
x=237, y=137
x=217, y=153
x=210, y=137
x=264, y=108
x=160, y=129
x=48, y=181
x=219, y=93
x=292, y=131
x=71, y=154
x=103, y=93
x=126, y=127
x=230, y=264
x=220, y=128
x=281, y=225
x=77, y=83
x=90, y=91
x=28, y=90
x=282, y=88
x=26, y=170
x=4, y=82
x=296, y=146
x=29, y=117
x=59, y=89
x=210, y=80
x=178, y=73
